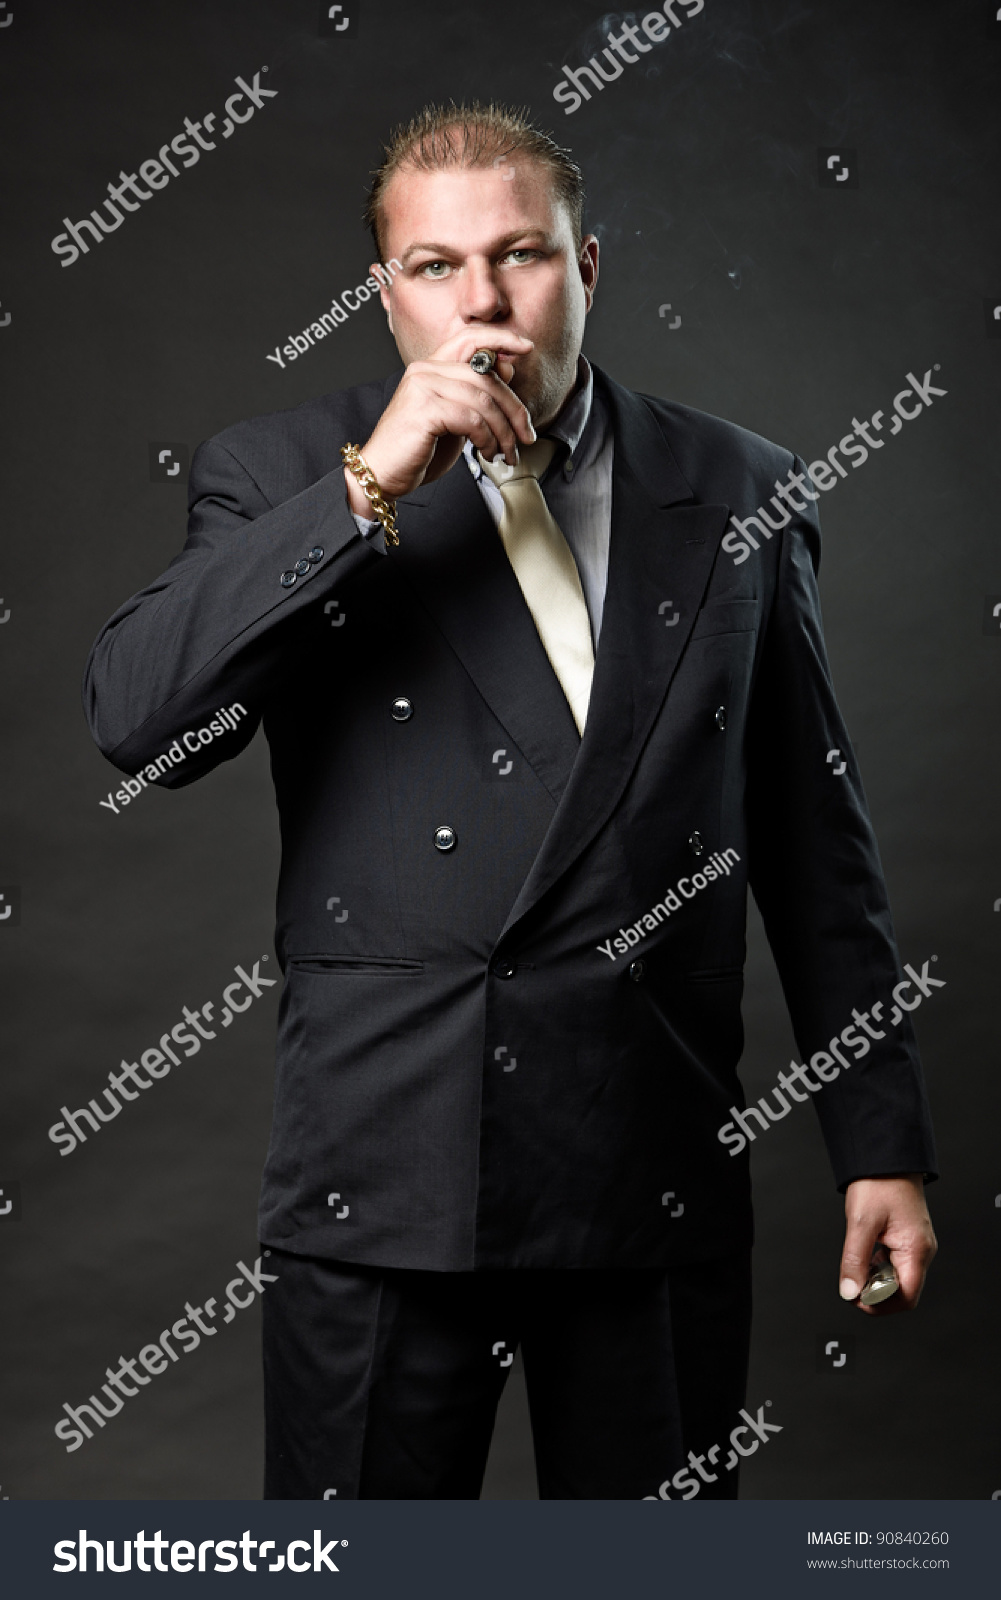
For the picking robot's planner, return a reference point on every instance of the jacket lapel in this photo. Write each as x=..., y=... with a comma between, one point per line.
x=451, y=553
x=660, y=559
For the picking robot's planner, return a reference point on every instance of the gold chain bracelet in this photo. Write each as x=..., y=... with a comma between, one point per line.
x=384, y=509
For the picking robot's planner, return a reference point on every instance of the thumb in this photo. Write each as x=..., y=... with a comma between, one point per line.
x=861, y=1233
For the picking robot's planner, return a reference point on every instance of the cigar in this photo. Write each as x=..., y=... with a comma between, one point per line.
x=483, y=360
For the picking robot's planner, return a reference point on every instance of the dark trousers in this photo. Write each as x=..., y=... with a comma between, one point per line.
x=384, y=1383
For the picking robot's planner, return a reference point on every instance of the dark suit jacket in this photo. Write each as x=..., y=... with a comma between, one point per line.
x=458, y=1061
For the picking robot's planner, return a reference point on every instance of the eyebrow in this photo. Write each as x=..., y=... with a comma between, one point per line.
x=449, y=250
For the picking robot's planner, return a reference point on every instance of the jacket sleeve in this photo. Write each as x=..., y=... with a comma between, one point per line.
x=207, y=634
x=817, y=879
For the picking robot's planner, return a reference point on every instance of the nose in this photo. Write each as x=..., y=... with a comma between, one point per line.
x=482, y=299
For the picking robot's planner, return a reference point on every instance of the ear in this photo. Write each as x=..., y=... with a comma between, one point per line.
x=588, y=265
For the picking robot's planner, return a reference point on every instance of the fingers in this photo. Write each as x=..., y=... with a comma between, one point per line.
x=911, y=1277
x=487, y=390
x=492, y=442
x=911, y=1268
x=861, y=1232
x=912, y=1250
x=461, y=346
x=437, y=400
x=892, y=1211
x=454, y=354
x=515, y=410
x=482, y=409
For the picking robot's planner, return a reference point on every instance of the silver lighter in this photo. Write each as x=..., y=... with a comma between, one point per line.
x=882, y=1280
x=483, y=360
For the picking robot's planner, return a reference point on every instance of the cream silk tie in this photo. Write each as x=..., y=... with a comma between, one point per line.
x=546, y=571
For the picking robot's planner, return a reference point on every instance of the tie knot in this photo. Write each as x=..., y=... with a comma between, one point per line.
x=533, y=459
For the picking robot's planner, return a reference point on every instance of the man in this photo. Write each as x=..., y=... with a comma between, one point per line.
x=513, y=954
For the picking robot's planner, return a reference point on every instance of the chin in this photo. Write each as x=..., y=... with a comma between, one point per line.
x=546, y=391
x=543, y=408
x=540, y=395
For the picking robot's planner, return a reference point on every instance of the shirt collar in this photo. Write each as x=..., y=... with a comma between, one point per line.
x=570, y=423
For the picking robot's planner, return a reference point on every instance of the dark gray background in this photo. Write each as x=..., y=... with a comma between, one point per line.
x=801, y=307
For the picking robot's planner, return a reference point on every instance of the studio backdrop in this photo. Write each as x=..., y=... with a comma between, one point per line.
x=799, y=228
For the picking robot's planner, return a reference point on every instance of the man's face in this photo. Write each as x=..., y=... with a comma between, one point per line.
x=490, y=248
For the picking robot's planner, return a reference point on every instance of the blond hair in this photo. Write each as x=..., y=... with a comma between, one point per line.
x=472, y=134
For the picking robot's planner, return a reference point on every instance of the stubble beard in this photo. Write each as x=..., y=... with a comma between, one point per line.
x=546, y=390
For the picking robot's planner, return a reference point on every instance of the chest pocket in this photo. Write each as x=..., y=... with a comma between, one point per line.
x=727, y=616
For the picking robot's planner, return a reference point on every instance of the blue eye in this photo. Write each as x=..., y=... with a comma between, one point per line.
x=429, y=269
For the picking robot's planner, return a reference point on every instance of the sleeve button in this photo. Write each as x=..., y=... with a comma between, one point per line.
x=287, y=579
